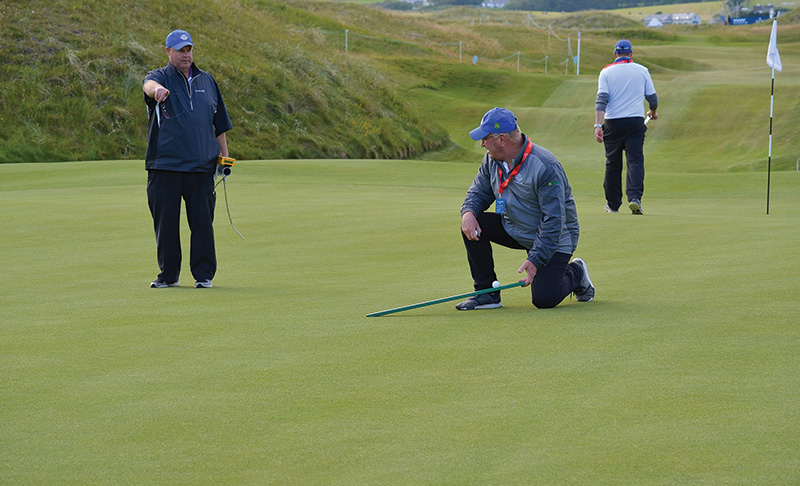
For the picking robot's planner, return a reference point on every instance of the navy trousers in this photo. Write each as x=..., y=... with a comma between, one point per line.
x=624, y=135
x=552, y=283
x=165, y=189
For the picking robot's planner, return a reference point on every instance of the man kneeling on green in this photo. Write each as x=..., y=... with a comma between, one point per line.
x=534, y=211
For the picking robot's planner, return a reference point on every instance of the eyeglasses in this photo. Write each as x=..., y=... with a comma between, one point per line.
x=492, y=135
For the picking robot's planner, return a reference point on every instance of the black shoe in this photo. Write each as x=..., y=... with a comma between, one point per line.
x=490, y=300
x=162, y=284
x=586, y=292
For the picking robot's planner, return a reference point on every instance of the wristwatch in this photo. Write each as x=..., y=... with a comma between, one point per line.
x=597, y=125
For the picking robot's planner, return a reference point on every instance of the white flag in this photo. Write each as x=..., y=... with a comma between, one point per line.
x=773, y=58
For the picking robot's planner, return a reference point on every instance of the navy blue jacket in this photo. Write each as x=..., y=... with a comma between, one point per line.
x=182, y=131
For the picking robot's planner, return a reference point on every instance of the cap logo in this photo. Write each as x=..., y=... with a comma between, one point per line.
x=184, y=37
x=497, y=125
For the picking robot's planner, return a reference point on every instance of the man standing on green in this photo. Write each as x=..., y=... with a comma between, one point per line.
x=622, y=88
x=185, y=136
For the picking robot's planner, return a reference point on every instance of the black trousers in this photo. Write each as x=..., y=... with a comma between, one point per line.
x=552, y=283
x=624, y=135
x=165, y=189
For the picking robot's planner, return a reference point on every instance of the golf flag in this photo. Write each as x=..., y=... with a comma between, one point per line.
x=773, y=61
x=773, y=58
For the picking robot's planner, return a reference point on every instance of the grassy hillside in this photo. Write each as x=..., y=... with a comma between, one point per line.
x=401, y=90
x=72, y=77
x=713, y=84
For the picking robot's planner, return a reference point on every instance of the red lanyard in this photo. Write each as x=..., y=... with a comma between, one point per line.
x=624, y=60
x=504, y=183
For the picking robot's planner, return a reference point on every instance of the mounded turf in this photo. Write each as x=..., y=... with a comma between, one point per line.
x=683, y=370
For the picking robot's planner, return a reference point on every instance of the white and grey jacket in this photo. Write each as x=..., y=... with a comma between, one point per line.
x=540, y=211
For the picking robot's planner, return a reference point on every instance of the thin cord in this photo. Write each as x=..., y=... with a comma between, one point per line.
x=227, y=207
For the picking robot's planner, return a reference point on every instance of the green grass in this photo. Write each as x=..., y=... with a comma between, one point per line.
x=73, y=73
x=683, y=370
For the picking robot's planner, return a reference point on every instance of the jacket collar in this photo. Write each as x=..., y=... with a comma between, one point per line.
x=195, y=70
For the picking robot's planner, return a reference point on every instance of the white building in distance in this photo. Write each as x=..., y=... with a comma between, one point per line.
x=658, y=20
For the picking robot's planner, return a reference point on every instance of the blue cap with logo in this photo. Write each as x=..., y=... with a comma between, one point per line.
x=496, y=120
x=623, y=47
x=178, y=39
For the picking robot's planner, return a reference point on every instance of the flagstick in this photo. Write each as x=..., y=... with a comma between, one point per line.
x=769, y=153
x=773, y=61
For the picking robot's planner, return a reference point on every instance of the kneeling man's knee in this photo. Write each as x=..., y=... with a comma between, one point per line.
x=545, y=302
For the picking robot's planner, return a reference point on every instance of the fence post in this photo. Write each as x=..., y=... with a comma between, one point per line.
x=569, y=50
x=545, y=64
x=517, y=61
x=346, y=31
x=459, y=50
x=578, y=64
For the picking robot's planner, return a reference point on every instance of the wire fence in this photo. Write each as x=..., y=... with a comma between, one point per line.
x=444, y=47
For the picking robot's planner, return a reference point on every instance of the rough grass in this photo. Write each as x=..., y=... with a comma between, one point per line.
x=73, y=73
x=73, y=81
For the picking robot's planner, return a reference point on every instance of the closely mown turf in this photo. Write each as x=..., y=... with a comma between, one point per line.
x=682, y=371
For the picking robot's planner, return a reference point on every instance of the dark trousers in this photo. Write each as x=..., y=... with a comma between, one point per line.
x=165, y=189
x=624, y=134
x=552, y=283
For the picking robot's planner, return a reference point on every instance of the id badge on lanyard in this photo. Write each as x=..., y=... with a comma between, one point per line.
x=500, y=205
x=500, y=202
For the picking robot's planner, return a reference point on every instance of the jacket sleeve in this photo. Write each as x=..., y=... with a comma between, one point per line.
x=154, y=75
x=480, y=194
x=222, y=122
x=551, y=195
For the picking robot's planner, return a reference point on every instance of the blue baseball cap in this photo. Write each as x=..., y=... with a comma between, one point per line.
x=178, y=39
x=623, y=47
x=496, y=120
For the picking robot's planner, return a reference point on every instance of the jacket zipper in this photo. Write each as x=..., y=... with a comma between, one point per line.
x=189, y=88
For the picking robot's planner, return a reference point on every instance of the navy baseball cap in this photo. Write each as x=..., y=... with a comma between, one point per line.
x=496, y=120
x=623, y=46
x=178, y=39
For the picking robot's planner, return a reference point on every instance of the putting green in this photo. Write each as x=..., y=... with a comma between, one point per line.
x=683, y=369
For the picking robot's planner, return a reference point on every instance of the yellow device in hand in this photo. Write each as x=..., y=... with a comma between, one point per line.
x=226, y=161
x=225, y=164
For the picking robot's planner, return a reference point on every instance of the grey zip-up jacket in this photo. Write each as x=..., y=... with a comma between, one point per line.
x=540, y=211
x=182, y=131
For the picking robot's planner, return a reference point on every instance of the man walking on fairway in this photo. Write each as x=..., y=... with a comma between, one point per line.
x=622, y=88
x=534, y=211
x=185, y=135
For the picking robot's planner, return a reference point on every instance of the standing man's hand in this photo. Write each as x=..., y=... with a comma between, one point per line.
x=470, y=226
x=599, y=116
x=161, y=94
x=155, y=91
x=530, y=270
x=598, y=134
x=652, y=114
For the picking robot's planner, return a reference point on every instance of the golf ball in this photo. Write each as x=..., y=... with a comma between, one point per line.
x=495, y=284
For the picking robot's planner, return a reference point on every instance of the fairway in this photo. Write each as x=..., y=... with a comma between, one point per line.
x=684, y=370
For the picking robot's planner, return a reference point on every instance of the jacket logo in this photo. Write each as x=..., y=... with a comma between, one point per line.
x=199, y=91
